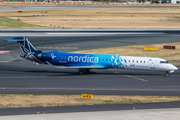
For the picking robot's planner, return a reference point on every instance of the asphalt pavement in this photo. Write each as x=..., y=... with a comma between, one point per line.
x=23, y=77
x=85, y=109
x=27, y=8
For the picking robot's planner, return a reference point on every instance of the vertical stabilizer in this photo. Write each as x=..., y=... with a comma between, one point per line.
x=24, y=44
x=26, y=47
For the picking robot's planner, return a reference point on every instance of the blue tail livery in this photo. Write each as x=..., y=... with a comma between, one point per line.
x=85, y=62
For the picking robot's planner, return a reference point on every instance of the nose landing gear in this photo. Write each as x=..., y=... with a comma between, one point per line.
x=167, y=73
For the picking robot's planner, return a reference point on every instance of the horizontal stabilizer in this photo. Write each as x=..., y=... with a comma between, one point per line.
x=16, y=39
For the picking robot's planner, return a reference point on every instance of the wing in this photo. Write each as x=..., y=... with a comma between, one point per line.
x=73, y=67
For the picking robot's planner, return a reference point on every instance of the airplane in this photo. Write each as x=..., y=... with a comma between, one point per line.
x=85, y=62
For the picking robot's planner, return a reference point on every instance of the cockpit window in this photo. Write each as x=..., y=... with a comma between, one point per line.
x=164, y=62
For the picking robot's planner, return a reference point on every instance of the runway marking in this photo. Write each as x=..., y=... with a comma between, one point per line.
x=57, y=47
x=107, y=33
x=136, y=78
x=133, y=77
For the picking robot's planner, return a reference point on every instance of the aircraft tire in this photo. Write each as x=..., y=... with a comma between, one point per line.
x=167, y=74
x=81, y=72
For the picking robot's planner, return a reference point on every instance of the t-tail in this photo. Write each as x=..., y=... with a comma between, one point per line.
x=29, y=51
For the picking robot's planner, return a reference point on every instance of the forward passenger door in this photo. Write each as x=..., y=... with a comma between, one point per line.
x=152, y=64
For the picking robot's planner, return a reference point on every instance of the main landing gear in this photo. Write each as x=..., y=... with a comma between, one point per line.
x=84, y=71
x=167, y=73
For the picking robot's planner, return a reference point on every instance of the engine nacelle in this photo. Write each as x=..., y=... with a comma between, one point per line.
x=46, y=55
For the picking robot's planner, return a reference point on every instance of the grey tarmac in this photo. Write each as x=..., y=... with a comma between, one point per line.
x=30, y=8
x=24, y=77
x=95, y=109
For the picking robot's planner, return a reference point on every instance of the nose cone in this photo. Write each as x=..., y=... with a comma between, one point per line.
x=174, y=67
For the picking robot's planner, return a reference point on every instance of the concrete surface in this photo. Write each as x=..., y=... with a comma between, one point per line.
x=146, y=114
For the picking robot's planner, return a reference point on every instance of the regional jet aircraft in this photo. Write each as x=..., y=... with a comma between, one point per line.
x=85, y=62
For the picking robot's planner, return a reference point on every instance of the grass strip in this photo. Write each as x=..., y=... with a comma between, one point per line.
x=164, y=18
x=176, y=64
x=24, y=101
x=7, y=23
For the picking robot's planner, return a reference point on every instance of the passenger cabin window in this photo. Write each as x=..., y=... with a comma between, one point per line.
x=129, y=61
x=137, y=61
x=106, y=59
x=132, y=60
x=140, y=61
x=61, y=57
x=144, y=61
x=102, y=59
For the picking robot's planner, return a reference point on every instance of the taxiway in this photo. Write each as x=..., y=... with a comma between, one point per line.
x=24, y=77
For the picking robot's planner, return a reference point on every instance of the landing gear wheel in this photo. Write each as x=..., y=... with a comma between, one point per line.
x=167, y=74
x=87, y=71
x=81, y=72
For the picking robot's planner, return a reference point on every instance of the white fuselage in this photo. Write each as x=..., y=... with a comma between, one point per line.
x=147, y=63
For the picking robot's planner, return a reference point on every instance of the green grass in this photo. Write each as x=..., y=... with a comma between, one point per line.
x=7, y=23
